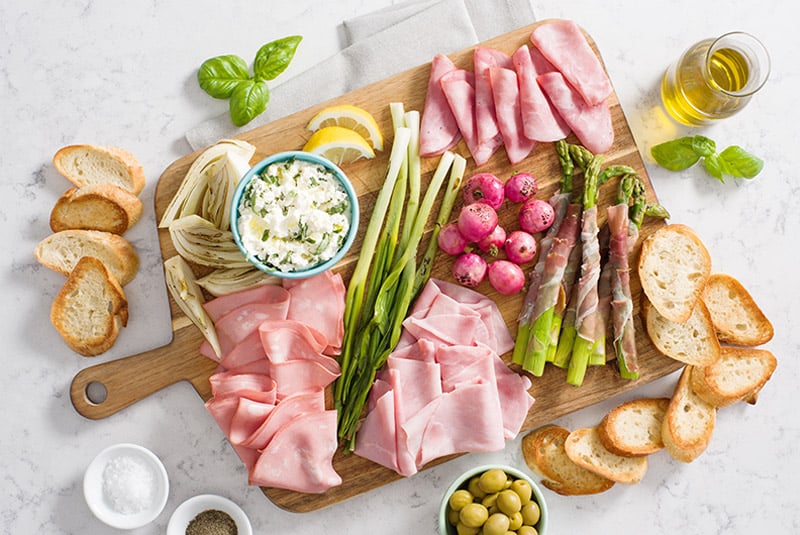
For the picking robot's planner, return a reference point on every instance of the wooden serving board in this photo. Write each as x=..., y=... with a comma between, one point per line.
x=129, y=379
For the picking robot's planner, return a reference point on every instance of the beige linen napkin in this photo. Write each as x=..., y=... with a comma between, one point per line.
x=373, y=53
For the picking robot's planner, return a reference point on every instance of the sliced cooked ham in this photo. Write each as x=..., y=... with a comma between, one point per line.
x=563, y=44
x=376, y=439
x=242, y=321
x=224, y=382
x=289, y=408
x=438, y=128
x=319, y=303
x=540, y=121
x=250, y=349
x=592, y=124
x=300, y=455
x=459, y=89
x=489, y=137
x=286, y=340
x=248, y=417
x=300, y=375
x=505, y=91
x=268, y=293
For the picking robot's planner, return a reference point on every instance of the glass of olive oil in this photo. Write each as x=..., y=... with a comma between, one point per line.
x=715, y=78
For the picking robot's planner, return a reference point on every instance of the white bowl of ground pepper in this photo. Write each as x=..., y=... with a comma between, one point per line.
x=126, y=486
x=209, y=514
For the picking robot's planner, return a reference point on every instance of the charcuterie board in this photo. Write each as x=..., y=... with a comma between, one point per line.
x=130, y=379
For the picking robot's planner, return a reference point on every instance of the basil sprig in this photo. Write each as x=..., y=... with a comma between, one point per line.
x=684, y=152
x=228, y=77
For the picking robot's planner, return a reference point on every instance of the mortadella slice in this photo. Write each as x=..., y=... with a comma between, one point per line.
x=563, y=44
x=319, y=302
x=438, y=128
x=592, y=124
x=289, y=408
x=505, y=91
x=540, y=121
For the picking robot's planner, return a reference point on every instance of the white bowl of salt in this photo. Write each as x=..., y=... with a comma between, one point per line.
x=126, y=486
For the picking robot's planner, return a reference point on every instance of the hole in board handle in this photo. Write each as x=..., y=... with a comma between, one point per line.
x=96, y=392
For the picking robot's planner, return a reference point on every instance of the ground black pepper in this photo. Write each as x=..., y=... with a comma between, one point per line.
x=212, y=522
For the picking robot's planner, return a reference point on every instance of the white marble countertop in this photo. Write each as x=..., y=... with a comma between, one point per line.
x=122, y=73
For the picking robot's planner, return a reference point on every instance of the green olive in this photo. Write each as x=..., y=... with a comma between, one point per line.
x=461, y=529
x=523, y=489
x=475, y=489
x=508, y=501
x=473, y=515
x=515, y=521
x=531, y=514
x=527, y=530
x=452, y=516
x=459, y=499
x=489, y=500
x=493, y=480
x=496, y=524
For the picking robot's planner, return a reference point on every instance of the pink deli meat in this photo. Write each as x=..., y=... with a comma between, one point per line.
x=505, y=91
x=438, y=128
x=319, y=302
x=540, y=121
x=489, y=137
x=459, y=89
x=591, y=123
x=267, y=294
x=563, y=44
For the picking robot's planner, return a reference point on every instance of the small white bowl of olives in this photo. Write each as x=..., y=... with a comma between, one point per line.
x=493, y=500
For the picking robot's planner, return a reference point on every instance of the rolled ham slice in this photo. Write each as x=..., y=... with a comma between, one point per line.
x=540, y=121
x=505, y=91
x=564, y=45
x=591, y=124
x=438, y=128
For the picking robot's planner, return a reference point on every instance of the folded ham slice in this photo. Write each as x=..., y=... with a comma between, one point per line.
x=540, y=121
x=591, y=124
x=319, y=302
x=438, y=128
x=265, y=294
x=505, y=90
x=564, y=45
x=459, y=89
x=489, y=137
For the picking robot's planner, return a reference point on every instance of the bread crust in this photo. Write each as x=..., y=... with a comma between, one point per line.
x=673, y=267
x=736, y=316
x=90, y=308
x=77, y=164
x=633, y=429
x=751, y=368
x=688, y=423
x=105, y=207
x=693, y=341
x=583, y=446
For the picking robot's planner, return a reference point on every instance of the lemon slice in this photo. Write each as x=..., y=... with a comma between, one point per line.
x=351, y=117
x=339, y=145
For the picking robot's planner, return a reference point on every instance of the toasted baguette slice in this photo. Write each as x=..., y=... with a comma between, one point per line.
x=61, y=252
x=91, y=164
x=738, y=375
x=103, y=207
x=584, y=448
x=689, y=421
x=674, y=265
x=543, y=451
x=692, y=342
x=736, y=316
x=90, y=308
x=633, y=429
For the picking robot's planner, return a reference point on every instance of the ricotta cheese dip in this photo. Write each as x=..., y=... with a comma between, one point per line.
x=294, y=215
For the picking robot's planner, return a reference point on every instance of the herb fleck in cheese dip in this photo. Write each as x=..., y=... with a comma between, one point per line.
x=294, y=215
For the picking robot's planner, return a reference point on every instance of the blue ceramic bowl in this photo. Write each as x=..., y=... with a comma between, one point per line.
x=445, y=528
x=307, y=157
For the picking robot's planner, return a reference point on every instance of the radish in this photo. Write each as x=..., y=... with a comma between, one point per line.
x=486, y=188
x=506, y=277
x=536, y=216
x=493, y=243
x=476, y=221
x=469, y=269
x=450, y=240
x=521, y=187
x=520, y=247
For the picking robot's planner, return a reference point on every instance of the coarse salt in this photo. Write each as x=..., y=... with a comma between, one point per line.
x=128, y=484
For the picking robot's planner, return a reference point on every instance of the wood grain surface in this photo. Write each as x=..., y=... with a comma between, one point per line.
x=133, y=378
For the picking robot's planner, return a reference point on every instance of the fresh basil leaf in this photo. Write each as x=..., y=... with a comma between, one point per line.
x=248, y=100
x=273, y=58
x=675, y=155
x=740, y=163
x=702, y=146
x=219, y=76
x=714, y=166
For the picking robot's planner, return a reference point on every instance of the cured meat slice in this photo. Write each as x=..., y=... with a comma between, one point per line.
x=563, y=44
x=285, y=411
x=449, y=328
x=285, y=340
x=221, y=408
x=228, y=381
x=300, y=456
x=540, y=121
x=248, y=350
x=512, y=389
x=505, y=90
x=319, y=303
x=591, y=123
x=248, y=417
x=377, y=437
x=488, y=131
x=301, y=375
x=268, y=293
x=438, y=128
x=459, y=89
x=242, y=321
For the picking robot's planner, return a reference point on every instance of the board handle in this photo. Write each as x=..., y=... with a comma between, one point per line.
x=131, y=379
